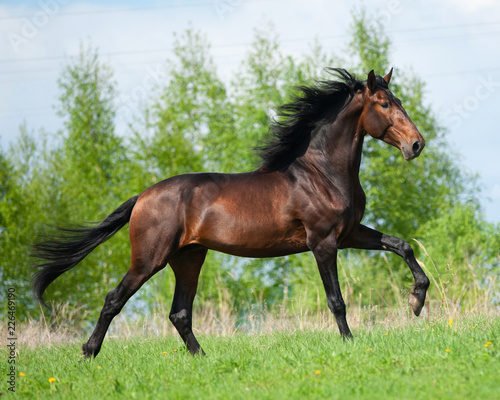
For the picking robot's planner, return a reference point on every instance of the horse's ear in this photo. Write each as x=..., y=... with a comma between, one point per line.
x=387, y=78
x=371, y=81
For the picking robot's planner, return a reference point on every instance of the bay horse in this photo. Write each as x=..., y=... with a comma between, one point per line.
x=306, y=196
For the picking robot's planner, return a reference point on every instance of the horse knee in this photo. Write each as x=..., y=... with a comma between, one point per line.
x=407, y=250
x=398, y=246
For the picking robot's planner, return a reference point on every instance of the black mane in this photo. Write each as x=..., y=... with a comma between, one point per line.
x=290, y=131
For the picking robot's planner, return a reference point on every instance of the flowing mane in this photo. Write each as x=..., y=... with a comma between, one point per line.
x=290, y=131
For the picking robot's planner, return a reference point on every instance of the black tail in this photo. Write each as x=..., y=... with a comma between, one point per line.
x=63, y=252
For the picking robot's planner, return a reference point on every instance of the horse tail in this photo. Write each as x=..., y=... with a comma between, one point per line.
x=62, y=253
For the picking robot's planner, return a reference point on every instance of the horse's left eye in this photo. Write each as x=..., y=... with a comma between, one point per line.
x=385, y=105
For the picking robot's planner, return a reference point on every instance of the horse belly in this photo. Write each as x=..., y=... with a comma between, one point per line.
x=242, y=233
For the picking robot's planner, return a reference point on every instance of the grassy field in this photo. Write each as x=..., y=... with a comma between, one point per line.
x=457, y=359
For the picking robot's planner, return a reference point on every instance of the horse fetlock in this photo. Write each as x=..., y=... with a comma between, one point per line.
x=423, y=283
x=407, y=251
x=193, y=346
x=90, y=351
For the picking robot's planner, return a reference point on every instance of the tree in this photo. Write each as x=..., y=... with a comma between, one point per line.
x=18, y=215
x=186, y=114
x=12, y=233
x=86, y=177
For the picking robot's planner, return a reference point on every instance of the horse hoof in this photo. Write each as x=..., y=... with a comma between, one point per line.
x=416, y=304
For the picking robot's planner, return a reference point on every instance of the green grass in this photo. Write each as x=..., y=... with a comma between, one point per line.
x=411, y=362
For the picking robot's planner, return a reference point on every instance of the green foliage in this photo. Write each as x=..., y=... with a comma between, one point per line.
x=185, y=115
x=89, y=144
x=370, y=46
x=464, y=248
x=21, y=191
x=256, y=89
x=461, y=235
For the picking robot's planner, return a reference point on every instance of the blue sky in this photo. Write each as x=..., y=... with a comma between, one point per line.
x=453, y=45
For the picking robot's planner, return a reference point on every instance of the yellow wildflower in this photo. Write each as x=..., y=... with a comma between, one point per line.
x=450, y=322
x=317, y=372
x=52, y=380
x=447, y=350
x=165, y=352
x=98, y=367
x=21, y=373
x=370, y=349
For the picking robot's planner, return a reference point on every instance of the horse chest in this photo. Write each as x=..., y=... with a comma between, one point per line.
x=339, y=212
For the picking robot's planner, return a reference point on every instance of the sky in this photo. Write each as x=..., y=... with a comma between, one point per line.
x=452, y=45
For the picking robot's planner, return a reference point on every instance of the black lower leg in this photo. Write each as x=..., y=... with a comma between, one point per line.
x=337, y=307
x=403, y=249
x=115, y=300
x=183, y=323
x=325, y=252
x=186, y=266
x=366, y=238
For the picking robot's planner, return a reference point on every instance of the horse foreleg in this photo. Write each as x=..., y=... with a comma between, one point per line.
x=186, y=266
x=325, y=253
x=370, y=239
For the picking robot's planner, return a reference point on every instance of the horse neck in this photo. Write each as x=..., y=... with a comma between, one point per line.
x=336, y=148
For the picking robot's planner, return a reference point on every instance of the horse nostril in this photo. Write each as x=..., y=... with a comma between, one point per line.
x=416, y=147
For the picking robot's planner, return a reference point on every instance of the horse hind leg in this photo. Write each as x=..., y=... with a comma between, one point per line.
x=115, y=300
x=186, y=266
x=154, y=239
x=144, y=265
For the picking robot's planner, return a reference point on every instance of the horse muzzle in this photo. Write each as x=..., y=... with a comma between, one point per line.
x=412, y=151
